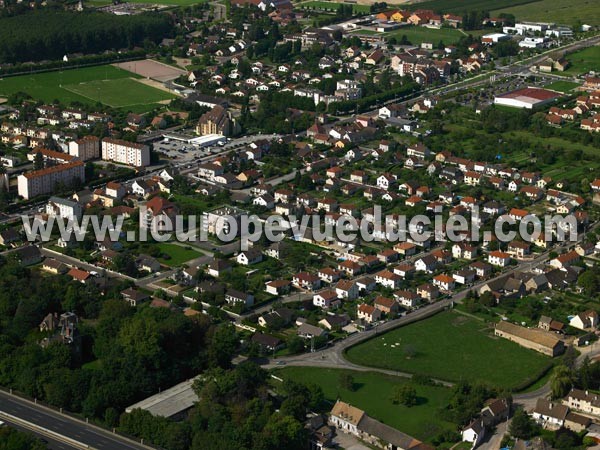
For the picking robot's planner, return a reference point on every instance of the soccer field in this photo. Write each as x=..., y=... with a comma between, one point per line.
x=119, y=93
x=106, y=84
x=453, y=347
x=417, y=35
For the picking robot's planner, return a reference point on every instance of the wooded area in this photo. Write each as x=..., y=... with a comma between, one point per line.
x=50, y=35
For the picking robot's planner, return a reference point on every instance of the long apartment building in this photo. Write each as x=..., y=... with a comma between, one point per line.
x=125, y=152
x=50, y=157
x=86, y=148
x=44, y=181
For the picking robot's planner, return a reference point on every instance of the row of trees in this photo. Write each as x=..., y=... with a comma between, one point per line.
x=47, y=35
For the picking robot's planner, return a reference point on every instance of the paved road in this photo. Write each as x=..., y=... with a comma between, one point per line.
x=92, y=436
x=52, y=444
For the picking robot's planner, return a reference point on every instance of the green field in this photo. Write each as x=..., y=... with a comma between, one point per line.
x=118, y=93
x=417, y=35
x=333, y=6
x=372, y=394
x=451, y=346
x=461, y=6
x=554, y=11
x=562, y=86
x=106, y=84
x=178, y=254
x=583, y=61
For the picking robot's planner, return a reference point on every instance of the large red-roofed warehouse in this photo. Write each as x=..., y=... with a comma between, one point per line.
x=528, y=98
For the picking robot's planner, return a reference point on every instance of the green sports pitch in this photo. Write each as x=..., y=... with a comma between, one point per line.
x=119, y=93
x=105, y=84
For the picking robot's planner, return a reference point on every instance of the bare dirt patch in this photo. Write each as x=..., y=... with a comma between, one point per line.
x=150, y=69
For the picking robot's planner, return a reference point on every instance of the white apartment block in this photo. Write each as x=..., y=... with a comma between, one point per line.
x=44, y=181
x=85, y=148
x=125, y=152
x=64, y=208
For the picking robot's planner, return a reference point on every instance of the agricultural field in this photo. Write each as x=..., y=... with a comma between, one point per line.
x=451, y=346
x=568, y=13
x=332, y=6
x=105, y=84
x=372, y=392
x=461, y=6
x=417, y=35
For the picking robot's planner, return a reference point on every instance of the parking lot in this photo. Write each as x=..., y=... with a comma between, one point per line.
x=182, y=153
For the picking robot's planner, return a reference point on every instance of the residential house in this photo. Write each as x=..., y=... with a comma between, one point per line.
x=388, y=279
x=277, y=287
x=347, y=289
x=326, y=299
x=234, y=297
x=308, y=331
x=305, y=280
x=585, y=320
x=249, y=257
x=550, y=414
x=499, y=258
x=218, y=267
x=444, y=282
x=368, y=313
x=266, y=342
x=386, y=305
x=408, y=299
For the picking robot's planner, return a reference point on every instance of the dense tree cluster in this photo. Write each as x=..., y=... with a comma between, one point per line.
x=467, y=401
x=11, y=439
x=134, y=353
x=235, y=411
x=128, y=354
x=40, y=36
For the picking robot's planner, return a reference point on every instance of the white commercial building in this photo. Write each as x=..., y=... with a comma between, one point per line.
x=531, y=27
x=527, y=98
x=44, y=181
x=494, y=38
x=125, y=152
x=532, y=42
x=208, y=140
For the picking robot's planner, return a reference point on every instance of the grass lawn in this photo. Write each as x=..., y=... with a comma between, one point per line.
x=562, y=86
x=554, y=11
x=584, y=61
x=451, y=346
x=178, y=254
x=87, y=85
x=119, y=93
x=372, y=394
x=417, y=35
